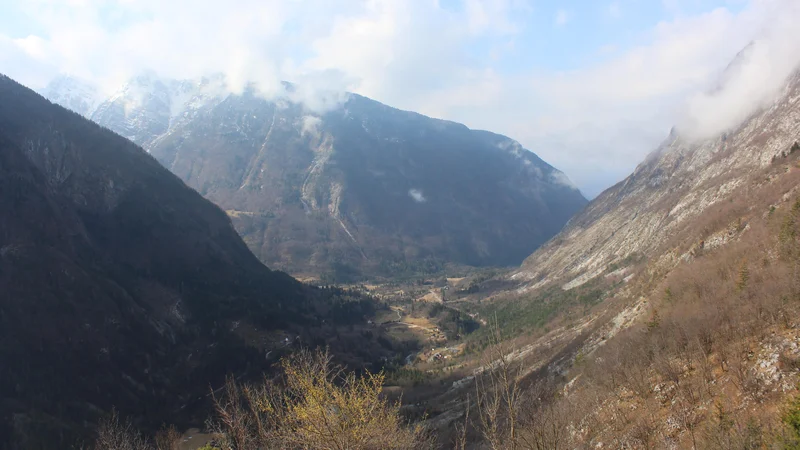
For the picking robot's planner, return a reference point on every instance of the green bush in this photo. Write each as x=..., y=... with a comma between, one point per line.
x=791, y=418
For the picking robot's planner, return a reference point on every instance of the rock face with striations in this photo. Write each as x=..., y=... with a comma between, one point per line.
x=360, y=188
x=680, y=181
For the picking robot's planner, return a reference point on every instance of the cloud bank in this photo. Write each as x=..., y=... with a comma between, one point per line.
x=453, y=59
x=752, y=81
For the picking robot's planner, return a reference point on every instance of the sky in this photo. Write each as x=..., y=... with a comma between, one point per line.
x=591, y=86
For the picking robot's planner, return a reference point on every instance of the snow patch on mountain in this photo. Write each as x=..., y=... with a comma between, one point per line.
x=74, y=94
x=145, y=109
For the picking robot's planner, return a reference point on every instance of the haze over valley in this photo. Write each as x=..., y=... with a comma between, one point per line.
x=477, y=224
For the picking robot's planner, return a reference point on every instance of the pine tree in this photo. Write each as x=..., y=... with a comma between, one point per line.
x=655, y=320
x=744, y=276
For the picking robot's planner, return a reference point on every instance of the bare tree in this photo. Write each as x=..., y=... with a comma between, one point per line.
x=689, y=417
x=547, y=426
x=116, y=434
x=646, y=425
x=317, y=405
x=461, y=429
x=498, y=394
x=234, y=419
x=168, y=438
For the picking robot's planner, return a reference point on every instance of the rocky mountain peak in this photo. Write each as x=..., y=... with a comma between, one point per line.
x=74, y=94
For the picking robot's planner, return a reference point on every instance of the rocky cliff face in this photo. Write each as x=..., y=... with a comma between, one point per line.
x=361, y=188
x=680, y=181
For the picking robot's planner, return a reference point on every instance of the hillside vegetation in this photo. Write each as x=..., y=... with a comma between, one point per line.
x=703, y=352
x=707, y=356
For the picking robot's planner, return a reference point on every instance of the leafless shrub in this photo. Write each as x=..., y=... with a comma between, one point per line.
x=705, y=364
x=605, y=370
x=461, y=440
x=669, y=368
x=688, y=416
x=318, y=406
x=725, y=431
x=498, y=395
x=116, y=434
x=547, y=426
x=168, y=438
x=646, y=426
x=745, y=377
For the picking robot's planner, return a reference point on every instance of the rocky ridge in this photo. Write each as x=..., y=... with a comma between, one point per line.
x=358, y=187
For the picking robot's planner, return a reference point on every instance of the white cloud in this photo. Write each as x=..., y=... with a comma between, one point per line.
x=750, y=82
x=562, y=179
x=17, y=63
x=379, y=48
x=416, y=194
x=310, y=125
x=595, y=123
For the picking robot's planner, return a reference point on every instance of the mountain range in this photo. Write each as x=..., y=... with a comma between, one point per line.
x=122, y=287
x=129, y=287
x=353, y=188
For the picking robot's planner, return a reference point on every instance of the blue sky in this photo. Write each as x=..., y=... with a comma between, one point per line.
x=591, y=86
x=567, y=35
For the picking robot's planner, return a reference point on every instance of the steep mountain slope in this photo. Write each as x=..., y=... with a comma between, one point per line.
x=691, y=340
x=665, y=314
x=362, y=187
x=119, y=285
x=648, y=213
